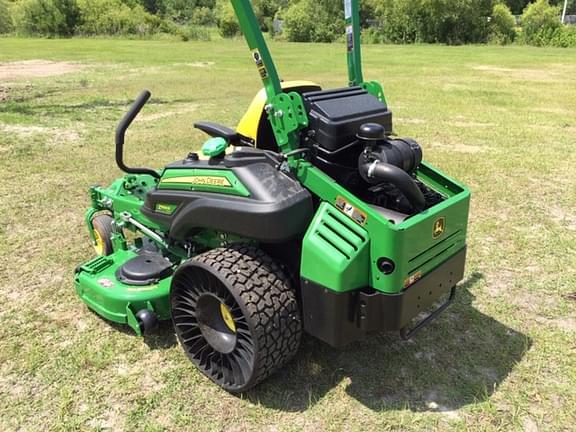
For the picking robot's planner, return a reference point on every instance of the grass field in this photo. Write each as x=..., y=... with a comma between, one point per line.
x=503, y=357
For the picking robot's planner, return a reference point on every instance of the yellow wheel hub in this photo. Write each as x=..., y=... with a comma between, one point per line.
x=227, y=317
x=98, y=243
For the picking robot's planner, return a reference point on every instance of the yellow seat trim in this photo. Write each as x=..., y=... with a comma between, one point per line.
x=248, y=125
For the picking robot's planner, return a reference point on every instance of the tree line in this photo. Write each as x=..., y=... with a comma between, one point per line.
x=383, y=21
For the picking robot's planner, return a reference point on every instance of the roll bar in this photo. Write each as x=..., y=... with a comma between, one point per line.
x=354, y=54
x=261, y=55
x=277, y=105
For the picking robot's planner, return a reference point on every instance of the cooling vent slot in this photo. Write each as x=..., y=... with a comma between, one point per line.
x=340, y=234
x=97, y=264
x=445, y=247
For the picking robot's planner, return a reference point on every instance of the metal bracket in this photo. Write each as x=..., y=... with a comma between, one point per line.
x=132, y=321
x=406, y=333
x=375, y=89
x=130, y=181
x=287, y=115
x=157, y=238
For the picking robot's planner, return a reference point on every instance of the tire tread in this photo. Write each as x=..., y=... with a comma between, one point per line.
x=269, y=300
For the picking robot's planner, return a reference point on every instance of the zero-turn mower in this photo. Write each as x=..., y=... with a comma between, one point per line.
x=320, y=220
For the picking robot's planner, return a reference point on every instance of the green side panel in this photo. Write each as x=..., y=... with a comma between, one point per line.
x=335, y=251
x=423, y=251
x=97, y=286
x=203, y=180
x=411, y=244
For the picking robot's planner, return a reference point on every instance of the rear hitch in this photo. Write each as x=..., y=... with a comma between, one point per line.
x=407, y=332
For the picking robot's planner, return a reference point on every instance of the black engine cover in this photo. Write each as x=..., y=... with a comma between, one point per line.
x=335, y=116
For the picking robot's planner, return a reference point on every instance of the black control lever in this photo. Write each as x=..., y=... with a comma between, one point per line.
x=121, y=132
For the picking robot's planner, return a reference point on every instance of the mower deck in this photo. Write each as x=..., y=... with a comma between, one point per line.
x=99, y=287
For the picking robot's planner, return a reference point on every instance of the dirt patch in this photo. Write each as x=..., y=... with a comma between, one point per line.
x=566, y=324
x=410, y=120
x=54, y=135
x=530, y=425
x=36, y=68
x=17, y=92
x=460, y=148
x=162, y=69
x=552, y=110
x=501, y=283
x=493, y=69
x=110, y=420
x=456, y=122
x=469, y=124
x=160, y=115
x=196, y=64
x=456, y=87
x=4, y=94
x=562, y=217
x=523, y=74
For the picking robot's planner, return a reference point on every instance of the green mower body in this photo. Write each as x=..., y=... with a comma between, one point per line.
x=322, y=222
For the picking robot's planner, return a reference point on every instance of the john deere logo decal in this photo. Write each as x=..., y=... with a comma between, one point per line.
x=439, y=227
x=199, y=180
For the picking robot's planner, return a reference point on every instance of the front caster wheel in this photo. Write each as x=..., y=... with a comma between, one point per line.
x=147, y=320
x=235, y=315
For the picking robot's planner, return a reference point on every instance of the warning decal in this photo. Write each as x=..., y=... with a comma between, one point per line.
x=260, y=64
x=349, y=38
x=347, y=9
x=349, y=210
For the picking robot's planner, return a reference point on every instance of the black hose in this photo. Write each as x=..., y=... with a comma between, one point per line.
x=121, y=132
x=378, y=172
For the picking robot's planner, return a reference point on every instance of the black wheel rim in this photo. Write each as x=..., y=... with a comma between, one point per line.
x=212, y=323
x=224, y=354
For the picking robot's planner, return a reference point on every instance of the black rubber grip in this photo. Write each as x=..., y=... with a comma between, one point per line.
x=121, y=132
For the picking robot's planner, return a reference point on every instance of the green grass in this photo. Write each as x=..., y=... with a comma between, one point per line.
x=501, y=120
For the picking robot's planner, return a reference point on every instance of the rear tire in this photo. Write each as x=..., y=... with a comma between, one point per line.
x=235, y=315
x=103, y=234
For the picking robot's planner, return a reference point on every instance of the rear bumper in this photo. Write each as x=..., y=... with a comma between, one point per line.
x=340, y=318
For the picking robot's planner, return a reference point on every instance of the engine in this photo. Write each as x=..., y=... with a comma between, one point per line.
x=349, y=136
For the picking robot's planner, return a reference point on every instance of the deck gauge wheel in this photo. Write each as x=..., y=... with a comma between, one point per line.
x=103, y=234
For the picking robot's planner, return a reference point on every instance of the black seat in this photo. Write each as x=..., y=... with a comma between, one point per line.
x=218, y=130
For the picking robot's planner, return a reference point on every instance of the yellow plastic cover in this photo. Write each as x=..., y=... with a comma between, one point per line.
x=249, y=123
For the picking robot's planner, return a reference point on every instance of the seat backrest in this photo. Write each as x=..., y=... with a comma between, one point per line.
x=256, y=128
